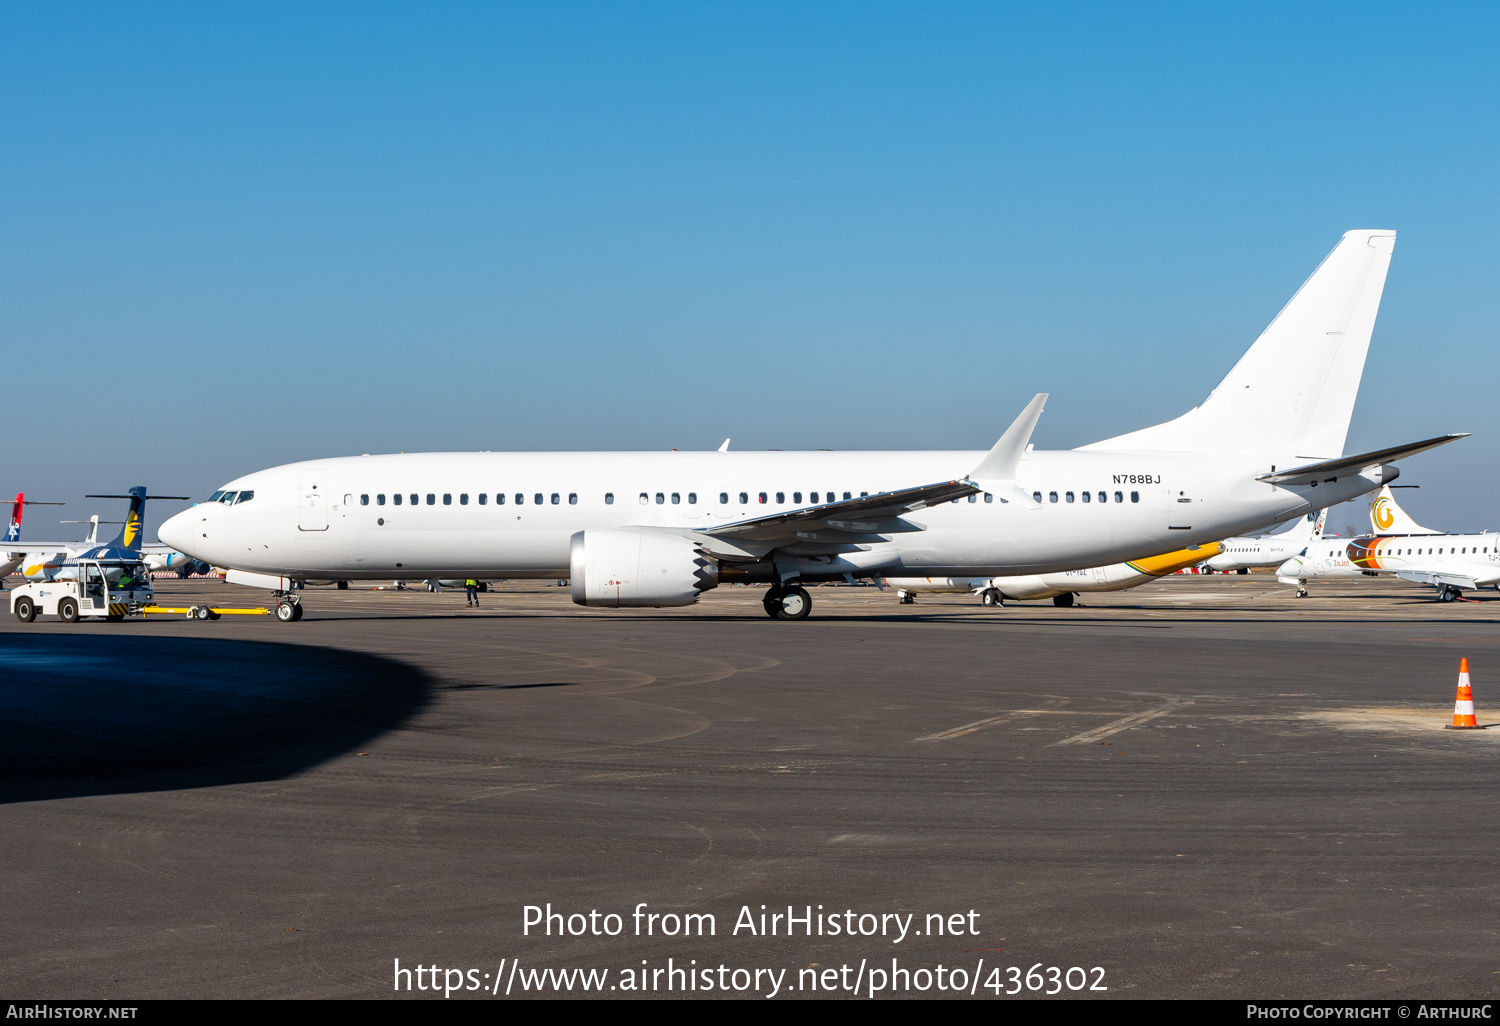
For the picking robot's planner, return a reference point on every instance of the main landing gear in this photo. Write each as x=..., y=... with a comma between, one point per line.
x=1064, y=600
x=783, y=603
x=991, y=597
x=1448, y=593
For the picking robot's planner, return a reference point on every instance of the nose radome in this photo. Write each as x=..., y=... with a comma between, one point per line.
x=177, y=531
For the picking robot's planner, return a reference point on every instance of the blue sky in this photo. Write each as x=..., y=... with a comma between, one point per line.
x=232, y=237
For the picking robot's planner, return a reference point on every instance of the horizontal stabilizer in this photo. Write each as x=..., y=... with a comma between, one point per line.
x=1332, y=468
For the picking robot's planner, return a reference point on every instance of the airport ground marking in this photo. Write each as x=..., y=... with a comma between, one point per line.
x=1124, y=723
x=969, y=728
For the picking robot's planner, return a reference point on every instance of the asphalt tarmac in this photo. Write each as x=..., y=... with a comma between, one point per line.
x=1204, y=788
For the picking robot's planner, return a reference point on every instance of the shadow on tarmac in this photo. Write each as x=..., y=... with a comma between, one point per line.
x=87, y=715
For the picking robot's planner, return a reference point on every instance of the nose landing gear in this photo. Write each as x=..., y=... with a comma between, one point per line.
x=288, y=608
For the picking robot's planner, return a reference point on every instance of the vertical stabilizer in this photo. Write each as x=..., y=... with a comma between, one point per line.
x=1291, y=395
x=13, y=532
x=1386, y=517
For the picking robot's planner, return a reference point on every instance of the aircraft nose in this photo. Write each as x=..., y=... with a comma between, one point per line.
x=177, y=531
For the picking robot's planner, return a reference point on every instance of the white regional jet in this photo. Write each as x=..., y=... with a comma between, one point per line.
x=660, y=528
x=1451, y=563
x=1269, y=549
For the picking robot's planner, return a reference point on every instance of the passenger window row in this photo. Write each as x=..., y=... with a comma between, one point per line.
x=1087, y=496
x=482, y=498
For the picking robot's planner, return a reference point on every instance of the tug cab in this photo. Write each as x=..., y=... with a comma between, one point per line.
x=103, y=588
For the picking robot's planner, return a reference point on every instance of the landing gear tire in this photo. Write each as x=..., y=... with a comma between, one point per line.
x=67, y=611
x=1302, y=593
x=1243, y=570
x=788, y=604
x=991, y=597
x=343, y=586
x=296, y=611
x=906, y=598
x=1448, y=593
x=25, y=610
x=287, y=612
x=1064, y=600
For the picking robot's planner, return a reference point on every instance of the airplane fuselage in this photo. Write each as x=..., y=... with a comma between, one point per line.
x=513, y=514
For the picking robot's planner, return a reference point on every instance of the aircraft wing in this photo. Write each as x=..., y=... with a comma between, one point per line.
x=1332, y=468
x=869, y=514
x=1456, y=578
x=27, y=546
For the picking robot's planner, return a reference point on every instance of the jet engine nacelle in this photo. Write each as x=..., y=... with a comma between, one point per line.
x=621, y=567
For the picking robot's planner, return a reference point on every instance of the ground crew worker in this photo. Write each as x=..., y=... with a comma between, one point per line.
x=471, y=588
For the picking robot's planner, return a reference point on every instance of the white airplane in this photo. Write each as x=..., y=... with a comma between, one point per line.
x=1269, y=549
x=1451, y=563
x=1062, y=587
x=658, y=529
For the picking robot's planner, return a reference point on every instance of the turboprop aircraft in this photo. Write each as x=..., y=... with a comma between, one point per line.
x=1062, y=587
x=1268, y=549
x=659, y=529
x=53, y=560
x=1401, y=547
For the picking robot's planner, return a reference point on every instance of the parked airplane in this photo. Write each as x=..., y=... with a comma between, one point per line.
x=1451, y=563
x=9, y=560
x=1062, y=587
x=52, y=560
x=658, y=529
x=1269, y=549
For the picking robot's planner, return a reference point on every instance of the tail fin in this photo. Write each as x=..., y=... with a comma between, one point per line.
x=13, y=532
x=1306, y=529
x=1386, y=517
x=130, y=536
x=1291, y=395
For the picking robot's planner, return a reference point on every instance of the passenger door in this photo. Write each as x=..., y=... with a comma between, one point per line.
x=312, y=506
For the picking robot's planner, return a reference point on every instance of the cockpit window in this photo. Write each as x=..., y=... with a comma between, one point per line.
x=216, y=496
x=244, y=497
x=227, y=497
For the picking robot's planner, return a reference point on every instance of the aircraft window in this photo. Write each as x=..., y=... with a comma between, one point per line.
x=1135, y=496
x=228, y=498
x=380, y=499
x=676, y=498
x=863, y=494
x=413, y=498
x=847, y=496
x=556, y=499
x=692, y=498
x=974, y=498
x=572, y=498
x=431, y=499
x=537, y=499
x=762, y=497
x=1119, y=496
x=520, y=498
x=1085, y=496
x=364, y=500
x=812, y=496
x=244, y=497
x=483, y=498
x=781, y=498
x=447, y=498
x=1103, y=496
x=744, y=498
x=723, y=498
x=645, y=498
x=660, y=498
x=1036, y=496
x=797, y=497
x=609, y=498
x=1069, y=496
x=988, y=497
x=1051, y=496
x=463, y=498
x=396, y=499
x=215, y=496
x=499, y=498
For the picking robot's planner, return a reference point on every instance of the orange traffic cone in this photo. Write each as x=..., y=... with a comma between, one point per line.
x=1463, y=707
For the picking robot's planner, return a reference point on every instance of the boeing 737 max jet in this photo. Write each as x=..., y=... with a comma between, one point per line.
x=658, y=529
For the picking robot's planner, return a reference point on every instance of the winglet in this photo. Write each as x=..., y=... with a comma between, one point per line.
x=1001, y=463
x=725, y=446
